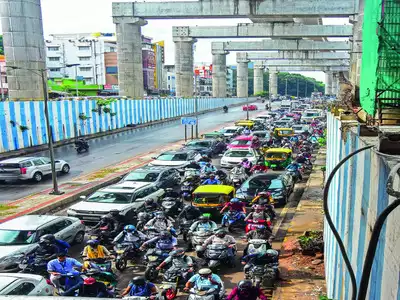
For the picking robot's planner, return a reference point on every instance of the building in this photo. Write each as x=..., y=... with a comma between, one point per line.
x=203, y=80
x=229, y=82
x=3, y=79
x=169, y=79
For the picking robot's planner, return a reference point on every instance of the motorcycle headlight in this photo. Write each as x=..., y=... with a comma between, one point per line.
x=152, y=258
x=120, y=251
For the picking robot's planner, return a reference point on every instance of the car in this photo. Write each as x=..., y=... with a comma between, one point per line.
x=231, y=131
x=249, y=107
x=279, y=184
x=30, y=168
x=24, y=285
x=263, y=135
x=300, y=129
x=232, y=157
x=288, y=120
x=177, y=159
x=241, y=142
x=281, y=124
x=22, y=234
x=265, y=118
x=209, y=147
x=126, y=197
x=161, y=177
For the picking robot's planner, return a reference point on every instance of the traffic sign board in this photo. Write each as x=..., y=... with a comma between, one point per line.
x=188, y=121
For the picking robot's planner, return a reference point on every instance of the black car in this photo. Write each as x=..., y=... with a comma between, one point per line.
x=280, y=184
x=207, y=147
x=161, y=177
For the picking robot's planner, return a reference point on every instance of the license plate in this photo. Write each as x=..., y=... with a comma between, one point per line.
x=152, y=258
x=120, y=251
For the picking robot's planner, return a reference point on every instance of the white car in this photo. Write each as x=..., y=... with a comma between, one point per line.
x=232, y=157
x=30, y=168
x=266, y=118
x=177, y=159
x=126, y=196
x=24, y=285
x=300, y=129
x=231, y=131
x=22, y=234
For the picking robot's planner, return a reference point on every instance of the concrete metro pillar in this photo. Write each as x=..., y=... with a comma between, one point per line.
x=258, y=77
x=129, y=51
x=273, y=82
x=243, y=78
x=24, y=48
x=219, y=73
x=328, y=82
x=335, y=83
x=184, y=66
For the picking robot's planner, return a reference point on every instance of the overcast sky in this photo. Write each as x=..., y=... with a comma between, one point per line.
x=73, y=16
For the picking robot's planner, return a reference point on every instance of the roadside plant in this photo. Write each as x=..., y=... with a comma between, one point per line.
x=107, y=110
x=23, y=128
x=83, y=117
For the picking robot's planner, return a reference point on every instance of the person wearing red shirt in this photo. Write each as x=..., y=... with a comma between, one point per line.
x=246, y=291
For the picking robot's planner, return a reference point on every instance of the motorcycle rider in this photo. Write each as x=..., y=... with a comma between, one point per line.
x=151, y=206
x=107, y=223
x=130, y=235
x=81, y=143
x=189, y=212
x=225, y=108
x=205, y=280
x=60, y=266
x=160, y=223
x=255, y=143
x=203, y=224
x=208, y=168
x=94, y=250
x=246, y=131
x=205, y=159
x=247, y=165
x=246, y=291
x=265, y=199
x=260, y=166
x=236, y=205
x=193, y=165
x=164, y=242
x=300, y=159
x=170, y=193
x=211, y=180
x=93, y=288
x=178, y=261
x=220, y=237
x=140, y=287
x=257, y=214
x=48, y=247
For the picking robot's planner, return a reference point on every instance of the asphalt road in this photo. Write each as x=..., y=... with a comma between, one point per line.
x=111, y=149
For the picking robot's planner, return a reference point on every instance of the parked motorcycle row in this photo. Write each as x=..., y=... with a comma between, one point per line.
x=184, y=240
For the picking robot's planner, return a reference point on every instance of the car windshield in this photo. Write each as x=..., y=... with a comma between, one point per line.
x=110, y=197
x=173, y=157
x=204, y=144
x=276, y=184
x=285, y=131
x=238, y=154
x=17, y=237
x=260, y=134
x=259, y=183
x=298, y=127
x=241, y=143
x=142, y=176
x=312, y=114
x=228, y=130
x=276, y=155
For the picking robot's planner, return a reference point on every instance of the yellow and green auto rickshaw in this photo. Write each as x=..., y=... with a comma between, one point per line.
x=211, y=198
x=283, y=132
x=245, y=123
x=278, y=158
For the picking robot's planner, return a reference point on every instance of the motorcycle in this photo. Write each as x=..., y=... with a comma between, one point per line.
x=125, y=252
x=255, y=224
x=174, y=280
x=233, y=220
x=187, y=189
x=184, y=226
x=294, y=171
x=70, y=280
x=34, y=265
x=172, y=206
x=154, y=257
x=206, y=295
x=142, y=219
x=237, y=176
x=102, y=234
x=103, y=273
x=197, y=239
x=81, y=145
x=225, y=109
x=216, y=255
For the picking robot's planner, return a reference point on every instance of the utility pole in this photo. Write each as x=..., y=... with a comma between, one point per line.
x=305, y=92
x=286, y=87
x=297, y=88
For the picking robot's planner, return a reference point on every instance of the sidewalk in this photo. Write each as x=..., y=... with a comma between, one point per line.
x=303, y=276
x=43, y=202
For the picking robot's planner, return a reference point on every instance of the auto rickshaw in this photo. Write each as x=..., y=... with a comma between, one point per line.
x=211, y=198
x=245, y=123
x=283, y=132
x=278, y=158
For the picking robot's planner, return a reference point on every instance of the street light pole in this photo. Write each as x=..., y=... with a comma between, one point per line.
x=76, y=79
x=1, y=85
x=286, y=88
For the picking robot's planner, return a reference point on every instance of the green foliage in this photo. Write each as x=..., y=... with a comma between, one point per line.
x=83, y=117
x=105, y=102
x=12, y=123
x=1, y=45
x=324, y=297
x=107, y=110
x=311, y=241
x=323, y=169
x=23, y=128
x=262, y=94
x=113, y=114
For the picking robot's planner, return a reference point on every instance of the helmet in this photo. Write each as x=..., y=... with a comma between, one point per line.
x=160, y=215
x=114, y=212
x=47, y=239
x=169, y=190
x=221, y=233
x=178, y=252
x=255, y=138
x=234, y=200
x=193, y=162
x=258, y=208
x=165, y=235
x=260, y=163
x=204, y=219
x=92, y=243
x=129, y=228
x=212, y=175
x=149, y=201
x=105, y=218
x=244, y=285
x=244, y=159
x=139, y=280
x=205, y=272
x=204, y=156
x=263, y=194
x=89, y=281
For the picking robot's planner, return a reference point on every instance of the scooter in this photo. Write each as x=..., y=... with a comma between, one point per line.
x=174, y=280
x=217, y=254
x=197, y=239
x=101, y=271
x=233, y=220
x=294, y=171
x=153, y=258
x=184, y=226
x=225, y=109
x=142, y=219
x=187, y=189
x=34, y=265
x=71, y=280
x=125, y=252
x=81, y=145
x=172, y=206
x=206, y=295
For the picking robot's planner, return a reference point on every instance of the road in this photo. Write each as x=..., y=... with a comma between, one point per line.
x=113, y=148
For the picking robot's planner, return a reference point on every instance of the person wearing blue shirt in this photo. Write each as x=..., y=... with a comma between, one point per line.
x=205, y=280
x=211, y=180
x=60, y=266
x=139, y=287
x=208, y=168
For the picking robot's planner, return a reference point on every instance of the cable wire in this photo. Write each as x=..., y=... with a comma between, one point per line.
x=332, y=226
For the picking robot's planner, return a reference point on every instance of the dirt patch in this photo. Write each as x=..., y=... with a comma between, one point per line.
x=298, y=266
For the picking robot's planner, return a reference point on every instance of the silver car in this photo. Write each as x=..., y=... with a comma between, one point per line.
x=21, y=235
x=24, y=285
x=29, y=168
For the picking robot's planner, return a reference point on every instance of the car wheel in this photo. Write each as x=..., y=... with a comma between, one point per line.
x=37, y=177
x=65, y=169
x=79, y=238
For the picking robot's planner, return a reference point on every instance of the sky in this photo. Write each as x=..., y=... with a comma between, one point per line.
x=78, y=16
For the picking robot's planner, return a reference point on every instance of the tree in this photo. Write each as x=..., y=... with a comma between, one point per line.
x=1, y=45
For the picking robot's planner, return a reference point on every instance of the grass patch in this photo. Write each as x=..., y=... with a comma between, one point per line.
x=102, y=173
x=7, y=209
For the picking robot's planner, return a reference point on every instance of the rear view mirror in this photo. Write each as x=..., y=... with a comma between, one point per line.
x=220, y=155
x=82, y=197
x=153, y=157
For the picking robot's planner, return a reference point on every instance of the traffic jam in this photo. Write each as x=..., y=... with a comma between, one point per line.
x=180, y=226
